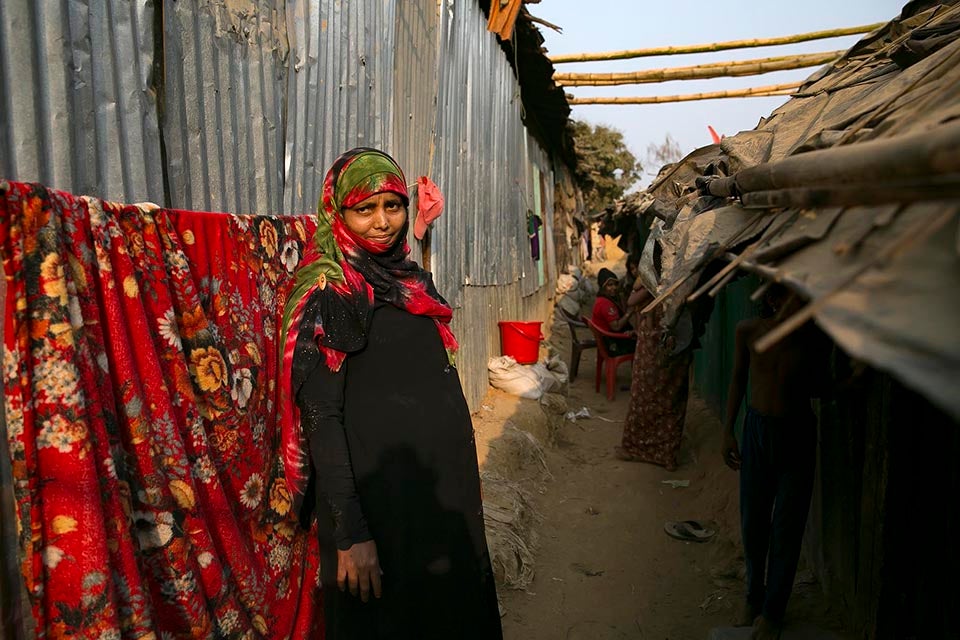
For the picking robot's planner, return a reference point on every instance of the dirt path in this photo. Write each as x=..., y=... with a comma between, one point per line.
x=605, y=568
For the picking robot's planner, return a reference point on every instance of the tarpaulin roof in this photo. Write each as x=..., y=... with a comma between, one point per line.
x=848, y=194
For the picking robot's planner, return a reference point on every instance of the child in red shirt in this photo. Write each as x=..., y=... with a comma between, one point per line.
x=609, y=316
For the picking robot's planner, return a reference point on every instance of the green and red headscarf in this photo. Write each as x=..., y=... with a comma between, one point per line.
x=339, y=278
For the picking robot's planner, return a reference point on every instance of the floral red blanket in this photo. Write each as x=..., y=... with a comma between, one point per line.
x=139, y=387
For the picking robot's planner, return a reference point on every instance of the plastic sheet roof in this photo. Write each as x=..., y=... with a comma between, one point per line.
x=865, y=227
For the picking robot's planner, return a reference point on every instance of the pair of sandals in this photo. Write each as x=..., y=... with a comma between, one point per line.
x=688, y=531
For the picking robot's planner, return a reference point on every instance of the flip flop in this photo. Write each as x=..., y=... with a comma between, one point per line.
x=688, y=531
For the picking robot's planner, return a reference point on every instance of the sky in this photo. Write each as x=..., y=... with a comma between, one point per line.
x=610, y=25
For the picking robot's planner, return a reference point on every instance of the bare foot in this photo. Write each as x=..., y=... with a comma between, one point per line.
x=623, y=454
x=766, y=630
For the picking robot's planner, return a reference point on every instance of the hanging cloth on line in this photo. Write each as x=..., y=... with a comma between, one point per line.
x=139, y=389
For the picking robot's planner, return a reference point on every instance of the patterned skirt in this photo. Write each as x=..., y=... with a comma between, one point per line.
x=653, y=427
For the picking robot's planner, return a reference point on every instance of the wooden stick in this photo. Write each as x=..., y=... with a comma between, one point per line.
x=666, y=294
x=769, y=90
x=762, y=289
x=760, y=269
x=891, y=46
x=716, y=46
x=880, y=111
x=701, y=71
x=911, y=156
x=922, y=229
x=549, y=25
x=720, y=285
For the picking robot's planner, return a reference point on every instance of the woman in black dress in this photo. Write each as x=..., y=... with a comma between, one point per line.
x=376, y=421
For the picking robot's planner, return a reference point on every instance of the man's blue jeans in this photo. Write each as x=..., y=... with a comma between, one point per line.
x=778, y=457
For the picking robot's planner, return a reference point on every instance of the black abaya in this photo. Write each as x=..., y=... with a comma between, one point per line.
x=392, y=442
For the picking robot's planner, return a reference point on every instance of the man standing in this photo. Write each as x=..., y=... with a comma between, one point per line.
x=776, y=457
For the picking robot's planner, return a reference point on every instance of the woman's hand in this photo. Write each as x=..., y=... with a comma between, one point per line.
x=359, y=569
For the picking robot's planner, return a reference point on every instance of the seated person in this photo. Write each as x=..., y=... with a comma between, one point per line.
x=610, y=316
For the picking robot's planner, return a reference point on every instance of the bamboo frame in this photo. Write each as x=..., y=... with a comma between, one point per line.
x=699, y=72
x=769, y=90
x=883, y=160
x=716, y=46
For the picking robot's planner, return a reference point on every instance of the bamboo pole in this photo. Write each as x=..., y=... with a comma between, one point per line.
x=699, y=72
x=909, y=156
x=769, y=90
x=716, y=46
x=939, y=187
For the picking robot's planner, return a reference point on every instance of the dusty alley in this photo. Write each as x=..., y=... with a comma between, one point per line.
x=604, y=568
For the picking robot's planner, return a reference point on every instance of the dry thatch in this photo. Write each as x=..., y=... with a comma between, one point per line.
x=510, y=520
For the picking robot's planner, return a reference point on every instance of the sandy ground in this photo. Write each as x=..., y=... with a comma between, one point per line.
x=603, y=567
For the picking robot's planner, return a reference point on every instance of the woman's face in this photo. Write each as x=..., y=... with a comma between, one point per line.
x=610, y=287
x=377, y=219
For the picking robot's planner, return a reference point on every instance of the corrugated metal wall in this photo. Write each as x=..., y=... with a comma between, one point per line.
x=476, y=327
x=340, y=90
x=415, y=94
x=255, y=98
x=225, y=69
x=484, y=162
x=483, y=159
x=78, y=98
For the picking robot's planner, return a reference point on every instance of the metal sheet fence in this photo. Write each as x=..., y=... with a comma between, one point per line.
x=224, y=105
x=340, y=88
x=475, y=325
x=78, y=97
x=483, y=159
x=240, y=107
x=415, y=94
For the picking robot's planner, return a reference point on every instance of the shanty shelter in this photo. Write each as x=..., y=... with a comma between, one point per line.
x=849, y=195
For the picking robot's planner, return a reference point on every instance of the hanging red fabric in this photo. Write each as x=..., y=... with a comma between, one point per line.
x=139, y=388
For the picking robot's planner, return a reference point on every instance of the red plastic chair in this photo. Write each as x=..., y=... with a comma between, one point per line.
x=605, y=362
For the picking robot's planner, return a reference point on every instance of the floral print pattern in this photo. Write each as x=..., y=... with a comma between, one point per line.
x=653, y=427
x=139, y=388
